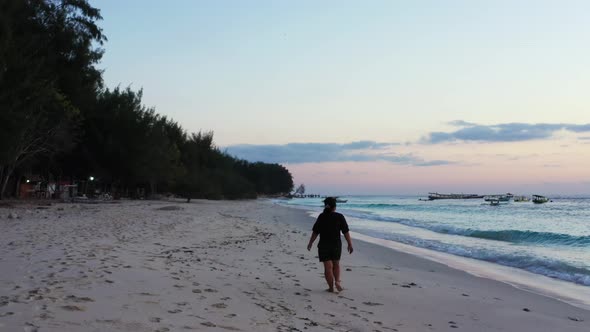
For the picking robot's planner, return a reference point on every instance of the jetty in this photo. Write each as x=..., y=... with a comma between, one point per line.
x=435, y=196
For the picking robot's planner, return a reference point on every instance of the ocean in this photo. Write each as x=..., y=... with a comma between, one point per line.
x=551, y=239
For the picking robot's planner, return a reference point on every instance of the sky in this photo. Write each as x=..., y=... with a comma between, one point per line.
x=371, y=97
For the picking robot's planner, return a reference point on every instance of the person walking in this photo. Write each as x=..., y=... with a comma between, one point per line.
x=328, y=226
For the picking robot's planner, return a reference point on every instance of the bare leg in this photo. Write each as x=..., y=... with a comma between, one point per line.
x=336, y=272
x=329, y=274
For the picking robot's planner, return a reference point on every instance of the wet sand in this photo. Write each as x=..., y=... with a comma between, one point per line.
x=238, y=266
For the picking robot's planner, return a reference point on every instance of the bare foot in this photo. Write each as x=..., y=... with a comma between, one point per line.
x=339, y=287
x=331, y=290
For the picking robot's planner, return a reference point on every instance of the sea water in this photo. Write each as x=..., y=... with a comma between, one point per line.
x=551, y=239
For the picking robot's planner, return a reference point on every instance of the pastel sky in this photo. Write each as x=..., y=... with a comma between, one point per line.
x=383, y=97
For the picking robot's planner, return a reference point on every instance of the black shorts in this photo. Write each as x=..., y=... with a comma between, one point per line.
x=330, y=253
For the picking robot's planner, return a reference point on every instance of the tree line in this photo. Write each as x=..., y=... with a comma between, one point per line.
x=58, y=120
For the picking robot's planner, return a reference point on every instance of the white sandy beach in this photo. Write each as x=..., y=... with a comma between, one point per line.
x=238, y=266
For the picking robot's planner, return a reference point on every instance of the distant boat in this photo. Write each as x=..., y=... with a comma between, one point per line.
x=338, y=200
x=538, y=199
x=494, y=202
x=501, y=198
x=435, y=196
x=521, y=199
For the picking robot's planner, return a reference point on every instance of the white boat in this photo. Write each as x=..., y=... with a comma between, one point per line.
x=521, y=199
x=500, y=198
x=538, y=199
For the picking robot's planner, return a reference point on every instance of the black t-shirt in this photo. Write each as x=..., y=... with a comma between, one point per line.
x=329, y=225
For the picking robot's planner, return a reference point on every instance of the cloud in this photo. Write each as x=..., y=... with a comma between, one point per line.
x=359, y=145
x=505, y=132
x=433, y=163
x=298, y=153
x=579, y=128
x=461, y=123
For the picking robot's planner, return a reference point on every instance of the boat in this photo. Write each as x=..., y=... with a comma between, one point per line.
x=521, y=199
x=435, y=196
x=538, y=199
x=501, y=198
x=494, y=202
x=338, y=200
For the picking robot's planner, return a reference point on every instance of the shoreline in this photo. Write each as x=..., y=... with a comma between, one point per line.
x=234, y=265
x=569, y=292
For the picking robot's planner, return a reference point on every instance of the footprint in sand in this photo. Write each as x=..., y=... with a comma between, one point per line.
x=73, y=308
x=372, y=304
x=174, y=311
x=78, y=299
x=30, y=327
x=45, y=315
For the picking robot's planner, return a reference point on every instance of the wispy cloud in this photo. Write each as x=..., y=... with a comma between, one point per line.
x=298, y=153
x=363, y=145
x=504, y=132
x=461, y=123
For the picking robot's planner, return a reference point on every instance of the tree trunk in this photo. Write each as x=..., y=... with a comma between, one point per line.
x=152, y=188
x=5, y=176
x=17, y=193
x=1, y=181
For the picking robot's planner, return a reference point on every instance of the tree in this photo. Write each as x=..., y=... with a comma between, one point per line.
x=56, y=117
x=47, y=71
x=300, y=190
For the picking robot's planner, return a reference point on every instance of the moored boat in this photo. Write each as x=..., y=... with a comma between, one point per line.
x=500, y=198
x=521, y=199
x=538, y=199
x=338, y=199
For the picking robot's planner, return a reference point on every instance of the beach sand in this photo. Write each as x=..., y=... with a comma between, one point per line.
x=237, y=266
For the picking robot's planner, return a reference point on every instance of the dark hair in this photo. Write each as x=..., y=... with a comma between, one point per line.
x=329, y=204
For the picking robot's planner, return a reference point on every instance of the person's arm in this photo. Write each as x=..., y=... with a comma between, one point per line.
x=314, y=235
x=349, y=240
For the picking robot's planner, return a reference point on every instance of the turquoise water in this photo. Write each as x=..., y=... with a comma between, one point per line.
x=551, y=239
